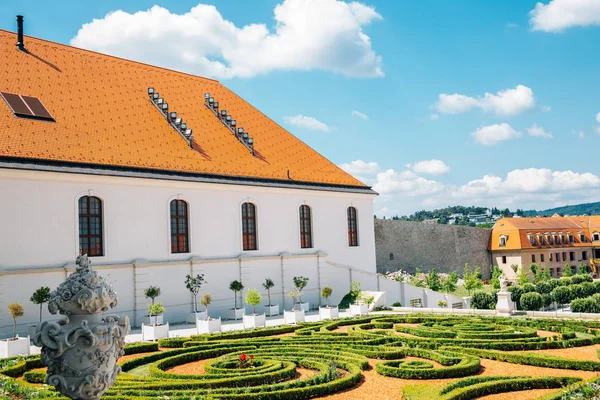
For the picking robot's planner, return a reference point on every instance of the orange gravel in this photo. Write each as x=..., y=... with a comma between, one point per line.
x=577, y=353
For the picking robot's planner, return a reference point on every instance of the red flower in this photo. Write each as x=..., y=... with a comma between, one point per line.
x=251, y=357
x=243, y=357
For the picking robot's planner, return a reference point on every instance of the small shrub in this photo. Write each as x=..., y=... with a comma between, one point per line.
x=531, y=301
x=397, y=304
x=483, y=300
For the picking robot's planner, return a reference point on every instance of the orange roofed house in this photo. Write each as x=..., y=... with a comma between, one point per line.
x=550, y=242
x=156, y=174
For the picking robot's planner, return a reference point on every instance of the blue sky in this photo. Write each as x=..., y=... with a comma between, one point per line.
x=388, y=61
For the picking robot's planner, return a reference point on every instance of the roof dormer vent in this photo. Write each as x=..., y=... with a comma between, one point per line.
x=229, y=122
x=171, y=116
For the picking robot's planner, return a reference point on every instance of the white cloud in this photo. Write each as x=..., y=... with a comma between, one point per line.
x=308, y=34
x=506, y=102
x=307, y=122
x=360, y=115
x=562, y=14
x=430, y=167
x=405, y=182
x=580, y=134
x=434, y=116
x=492, y=134
x=538, y=131
x=360, y=167
x=598, y=117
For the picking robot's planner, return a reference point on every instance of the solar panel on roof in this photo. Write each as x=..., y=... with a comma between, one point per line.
x=26, y=106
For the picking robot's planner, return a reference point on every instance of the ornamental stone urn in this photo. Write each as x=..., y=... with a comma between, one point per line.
x=81, y=350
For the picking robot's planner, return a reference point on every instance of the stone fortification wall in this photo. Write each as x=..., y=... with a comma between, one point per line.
x=425, y=246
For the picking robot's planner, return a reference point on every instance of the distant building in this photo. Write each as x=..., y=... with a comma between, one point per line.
x=550, y=242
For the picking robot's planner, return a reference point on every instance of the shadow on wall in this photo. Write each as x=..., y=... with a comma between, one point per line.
x=409, y=245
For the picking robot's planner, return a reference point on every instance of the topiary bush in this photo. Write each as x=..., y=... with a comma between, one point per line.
x=531, y=301
x=484, y=300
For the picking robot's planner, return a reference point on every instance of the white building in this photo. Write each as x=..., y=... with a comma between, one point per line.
x=90, y=164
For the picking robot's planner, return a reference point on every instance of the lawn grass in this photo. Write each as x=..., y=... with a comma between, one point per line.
x=462, y=292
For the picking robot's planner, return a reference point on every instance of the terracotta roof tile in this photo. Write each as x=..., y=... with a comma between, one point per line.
x=103, y=116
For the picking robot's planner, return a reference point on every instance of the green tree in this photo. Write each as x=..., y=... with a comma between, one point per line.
x=235, y=287
x=496, y=272
x=523, y=276
x=205, y=301
x=568, y=270
x=533, y=268
x=152, y=293
x=515, y=268
x=326, y=292
x=562, y=295
x=543, y=275
x=449, y=284
x=16, y=311
x=41, y=296
x=300, y=283
x=295, y=295
x=483, y=300
x=531, y=301
x=193, y=284
x=415, y=279
x=154, y=310
x=268, y=285
x=253, y=298
x=471, y=279
x=433, y=280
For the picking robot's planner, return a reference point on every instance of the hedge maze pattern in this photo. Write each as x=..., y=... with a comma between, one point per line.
x=444, y=347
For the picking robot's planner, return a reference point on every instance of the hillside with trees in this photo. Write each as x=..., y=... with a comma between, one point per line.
x=577, y=209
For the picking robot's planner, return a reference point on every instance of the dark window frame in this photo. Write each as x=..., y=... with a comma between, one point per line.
x=180, y=226
x=503, y=259
x=533, y=258
x=352, y=215
x=249, y=229
x=91, y=244
x=305, y=216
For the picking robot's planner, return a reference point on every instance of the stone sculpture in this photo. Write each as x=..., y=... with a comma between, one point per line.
x=81, y=350
x=502, y=280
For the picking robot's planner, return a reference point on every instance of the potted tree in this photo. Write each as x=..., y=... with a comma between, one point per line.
x=235, y=312
x=155, y=331
x=300, y=283
x=327, y=312
x=294, y=316
x=270, y=309
x=152, y=293
x=16, y=345
x=40, y=296
x=193, y=284
x=360, y=307
x=254, y=320
x=208, y=325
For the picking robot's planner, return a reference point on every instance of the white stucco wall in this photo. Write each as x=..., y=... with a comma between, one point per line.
x=38, y=211
x=39, y=241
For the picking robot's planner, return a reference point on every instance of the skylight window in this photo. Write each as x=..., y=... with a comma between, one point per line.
x=26, y=107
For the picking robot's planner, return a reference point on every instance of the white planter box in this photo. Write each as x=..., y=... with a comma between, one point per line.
x=11, y=348
x=154, y=333
x=293, y=317
x=154, y=319
x=328, y=312
x=193, y=317
x=255, y=321
x=235, y=313
x=359, y=309
x=272, y=310
x=208, y=325
x=303, y=306
x=32, y=331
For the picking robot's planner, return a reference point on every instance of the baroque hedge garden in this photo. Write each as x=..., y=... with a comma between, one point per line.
x=415, y=356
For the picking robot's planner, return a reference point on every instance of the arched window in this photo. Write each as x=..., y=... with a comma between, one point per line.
x=249, y=226
x=90, y=226
x=352, y=227
x=305, y=228
x=179, y=227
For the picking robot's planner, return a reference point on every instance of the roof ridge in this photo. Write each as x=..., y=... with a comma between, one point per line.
x=112, y=56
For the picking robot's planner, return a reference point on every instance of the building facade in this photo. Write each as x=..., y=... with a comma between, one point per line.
x=157, y=174
x=550, y=242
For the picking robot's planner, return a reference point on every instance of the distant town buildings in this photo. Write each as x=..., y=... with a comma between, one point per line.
x=549, y=242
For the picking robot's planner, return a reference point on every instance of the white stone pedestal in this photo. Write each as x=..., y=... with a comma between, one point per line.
x=208, y=325
x=293, y=317
x=195, y=316
x=14, y=347
x=328, y=312
x=255, y=321
x=303, y=306
x=235, y=313
x=272, y=309
x=155, y=332
x=359, y=309
x=505, y=305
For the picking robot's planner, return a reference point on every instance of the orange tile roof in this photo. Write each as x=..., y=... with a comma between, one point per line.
x=103, y=117
x=517, y=230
